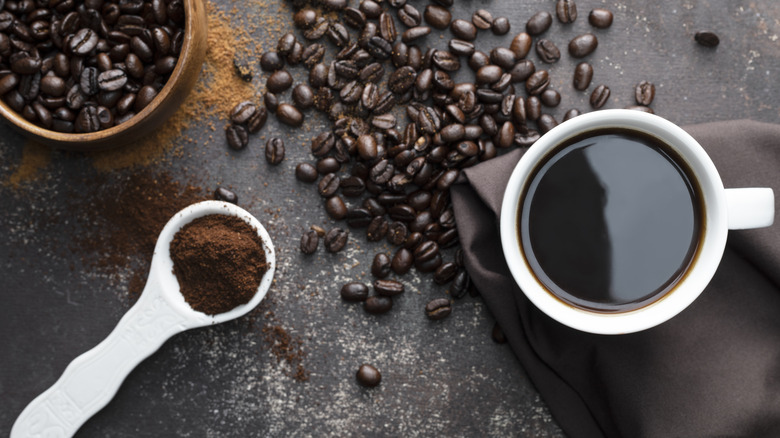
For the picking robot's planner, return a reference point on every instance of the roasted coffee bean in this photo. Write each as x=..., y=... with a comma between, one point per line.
x=570, y=114
x=223, y=194
x=488, y=96
x=522, y=70
x=312, y=54
x=289, y=115
x=547, y=51
x=550, y=98
x=306, y=172
x=462, y=48
x=388, y=288
x=144, y=97
x=387, y=29
x=329, y=185
x=274, y=150
x=599, y=96
x=546, y=122
x=327, y=165
x=354, y=292
x=583, y=45
x=413, y=34
x=377, y=229
x=383, y=121
x=142, y=49
x=338, y=34
x=644, y=93
x=303, y=96
x=402, y=79
x=257, y=121
x=505, y=135
x=83, y=42
x=237, y=136
x=26, y=65
x=527, y=139
x=111, y=80
x=380, y=267
x=445, y=60
x=285, y=44
x=482, y=19
x=336, y=239
x=379, y=48
x=371, y=8
x=463, y=30
x=279, y=81
x=271, y=101
x=437, y=16
x=367, y=147
x=537, y=82
x=271, y=61
x=372, y=72
x=334, y=5
x=52, y=86
x=310, y=240
x=354, y=18
x=87, y=120
x=600, y=18
x=438, y=308
x=445, y=273
x=533, y=108
x=566, y=10
x=397, y=233
x=501, y=26
x=521, y=45
x=706, y=38
x=336, y=208
x=583, y=74
x=409, y=16
x=402, y=261
x=538, y=23
x=89, y=81
x=375, y=305
x=460, y=284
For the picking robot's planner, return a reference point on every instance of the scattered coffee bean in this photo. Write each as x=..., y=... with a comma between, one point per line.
x=501, y=26
x=223, y=194
x=707, y=38
x=566, y=10
x=437, y=16
x=354, y=292
x=305, y=172
x=380, y=267
x=583, y=45
x=644, y=93
x=336, y=239
x=438, y=308
x=289, y=115
x=274, y=150
x=599, y=96
x=460, y=284
x=378, y=304
x=547, y=51
x=521, y=45
x=482, y=19
x=464, y=30
x=538, y=23
x=368, y=376
x=402, y=261
x=309, y=242
x=583, y=74
x=388, y=288
x=600, y=18
x=237, y=136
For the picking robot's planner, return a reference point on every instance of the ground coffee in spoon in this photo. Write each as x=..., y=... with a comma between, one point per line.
x=219, y=261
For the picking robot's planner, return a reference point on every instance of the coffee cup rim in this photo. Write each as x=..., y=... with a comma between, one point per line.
x=706, y=259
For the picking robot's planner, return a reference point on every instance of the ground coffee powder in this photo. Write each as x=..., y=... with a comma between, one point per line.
x=219, y=261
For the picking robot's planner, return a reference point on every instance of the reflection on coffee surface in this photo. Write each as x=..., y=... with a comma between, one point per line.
x=610, y=220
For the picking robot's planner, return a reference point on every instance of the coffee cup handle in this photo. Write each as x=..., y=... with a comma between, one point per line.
x=752, y=207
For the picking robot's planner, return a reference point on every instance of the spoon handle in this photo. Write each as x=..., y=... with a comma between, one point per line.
x=91, y=380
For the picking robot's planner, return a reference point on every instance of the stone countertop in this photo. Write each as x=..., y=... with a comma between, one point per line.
x=446, y=378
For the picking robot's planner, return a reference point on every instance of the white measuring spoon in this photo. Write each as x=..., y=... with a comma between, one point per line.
x=92, y=379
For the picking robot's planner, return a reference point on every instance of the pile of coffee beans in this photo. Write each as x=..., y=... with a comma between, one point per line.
x=368, y=69
x=82, y=66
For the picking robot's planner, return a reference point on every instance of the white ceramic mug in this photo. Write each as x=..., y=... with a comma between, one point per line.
x=723, y=209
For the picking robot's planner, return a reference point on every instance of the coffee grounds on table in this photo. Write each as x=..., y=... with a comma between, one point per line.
x=219, y=261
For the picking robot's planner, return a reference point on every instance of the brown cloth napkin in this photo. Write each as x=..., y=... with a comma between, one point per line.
x=713, y=370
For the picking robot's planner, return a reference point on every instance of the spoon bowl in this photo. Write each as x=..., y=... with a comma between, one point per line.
x=91, y=380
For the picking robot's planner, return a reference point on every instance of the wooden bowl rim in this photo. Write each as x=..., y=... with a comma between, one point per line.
x=71, y=139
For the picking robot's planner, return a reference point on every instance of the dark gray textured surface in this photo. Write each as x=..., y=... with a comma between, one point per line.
x=439, y=379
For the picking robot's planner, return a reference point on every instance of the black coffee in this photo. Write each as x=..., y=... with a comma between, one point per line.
x=610, y=220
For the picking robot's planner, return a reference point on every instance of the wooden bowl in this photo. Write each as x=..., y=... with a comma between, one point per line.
x=170, y=97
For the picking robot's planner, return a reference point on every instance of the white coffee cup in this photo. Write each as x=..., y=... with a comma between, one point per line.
x=722, y=210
